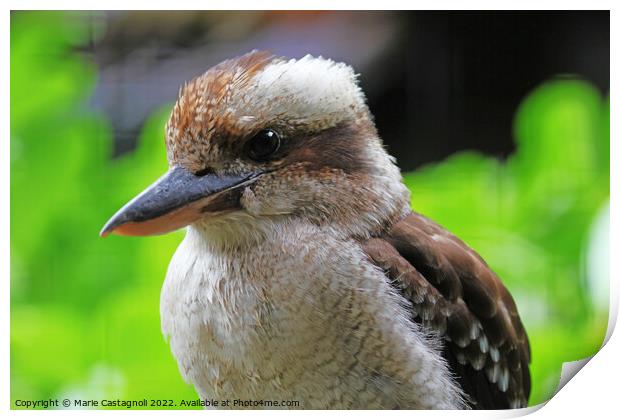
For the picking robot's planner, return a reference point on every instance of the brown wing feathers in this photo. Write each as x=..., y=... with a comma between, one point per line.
x=457, y=296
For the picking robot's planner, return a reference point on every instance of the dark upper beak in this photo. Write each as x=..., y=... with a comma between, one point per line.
x=177, y=199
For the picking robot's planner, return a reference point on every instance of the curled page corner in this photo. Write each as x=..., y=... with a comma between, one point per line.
x=613, y=311
x=529, y=410
x=570, y=369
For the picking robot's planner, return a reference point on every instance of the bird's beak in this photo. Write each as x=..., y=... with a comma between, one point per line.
x=177, y=199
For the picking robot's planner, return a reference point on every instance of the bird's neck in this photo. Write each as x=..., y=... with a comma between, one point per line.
x=366, y=207
x=241, y=232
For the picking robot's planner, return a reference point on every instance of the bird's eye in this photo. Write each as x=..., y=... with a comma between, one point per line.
x=264, y=144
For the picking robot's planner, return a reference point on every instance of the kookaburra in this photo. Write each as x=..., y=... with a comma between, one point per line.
x=304, y=274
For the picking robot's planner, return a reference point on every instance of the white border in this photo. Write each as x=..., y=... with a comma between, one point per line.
x=592, y=392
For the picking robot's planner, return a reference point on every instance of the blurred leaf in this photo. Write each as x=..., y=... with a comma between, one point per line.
x=76, y=297
x=530, y=217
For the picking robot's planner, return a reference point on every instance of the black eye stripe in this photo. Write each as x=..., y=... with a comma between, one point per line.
x=263, y=145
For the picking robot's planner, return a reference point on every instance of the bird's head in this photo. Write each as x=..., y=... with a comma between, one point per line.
x=267, y=139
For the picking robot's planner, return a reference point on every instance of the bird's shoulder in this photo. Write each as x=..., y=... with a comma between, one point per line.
x=455, y=295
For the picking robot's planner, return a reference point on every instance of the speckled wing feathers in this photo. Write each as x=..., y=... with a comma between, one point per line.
x=455, y=295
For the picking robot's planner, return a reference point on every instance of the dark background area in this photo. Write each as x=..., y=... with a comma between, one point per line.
x=437, y=82
x=467, y=72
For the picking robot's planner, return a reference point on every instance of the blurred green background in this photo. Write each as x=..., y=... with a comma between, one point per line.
x=85, y=311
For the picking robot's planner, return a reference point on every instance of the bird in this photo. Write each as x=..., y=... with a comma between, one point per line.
x=305, y=274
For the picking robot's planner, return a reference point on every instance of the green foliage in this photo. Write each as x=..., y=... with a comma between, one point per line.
x=84, y=311
x=530, y=216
